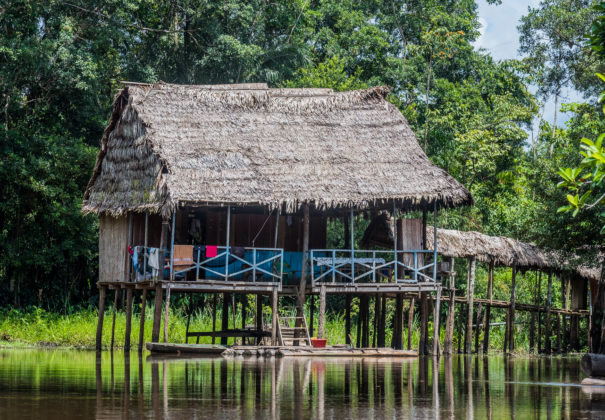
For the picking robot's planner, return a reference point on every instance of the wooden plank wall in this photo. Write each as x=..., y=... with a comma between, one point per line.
x=113, y=248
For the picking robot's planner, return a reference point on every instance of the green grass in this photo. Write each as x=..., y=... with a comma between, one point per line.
x=78, y=329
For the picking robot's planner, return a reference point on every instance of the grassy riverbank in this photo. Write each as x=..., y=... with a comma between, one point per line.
x=77, y=330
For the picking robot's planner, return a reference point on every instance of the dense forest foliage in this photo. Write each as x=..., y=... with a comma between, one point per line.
x=480, y=119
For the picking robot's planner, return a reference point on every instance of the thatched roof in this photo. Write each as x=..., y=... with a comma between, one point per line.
x=169, y=145
x=505, y=251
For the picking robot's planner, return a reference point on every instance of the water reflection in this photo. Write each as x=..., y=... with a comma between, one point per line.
x=64, y=384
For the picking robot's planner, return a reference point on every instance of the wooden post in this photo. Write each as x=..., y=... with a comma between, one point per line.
x=532, y=327
x=312, y=317
x=359, y=316
x=490, y=291
x=424, y=324
x=163, y=246
x=214, y=306
x=321, y=328
x=302, y=290
x=377, y=308
x=166, y=313
x=382, y=323
x=478, y=325
x=472, y=262
x=539, y=303
x=513, y=297
x=436, y=346
x=397, y=337
x=449, y=324
x=113, y=322
x=99, y=341
x=225, y=317
x=348, y=319
x=410, y=321
x=142, y=320
x=128, y=326
x=559, y=349
x=259, y=316
x=157, y=314
x=507, y=331
x=568, y=337
x=274, y=312
x=547, y=343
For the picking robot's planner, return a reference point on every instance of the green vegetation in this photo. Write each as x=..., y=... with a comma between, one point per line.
x=61, y=63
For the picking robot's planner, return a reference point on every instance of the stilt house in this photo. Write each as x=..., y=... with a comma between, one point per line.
x=229, y=188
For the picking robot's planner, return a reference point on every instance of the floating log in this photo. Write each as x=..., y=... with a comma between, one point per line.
x=594, y=365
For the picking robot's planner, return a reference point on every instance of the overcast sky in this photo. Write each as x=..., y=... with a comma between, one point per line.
x=500, y=37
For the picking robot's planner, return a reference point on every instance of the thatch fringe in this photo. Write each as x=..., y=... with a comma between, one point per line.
x=169, y=145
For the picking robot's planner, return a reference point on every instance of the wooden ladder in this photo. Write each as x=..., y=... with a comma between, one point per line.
x=288, y=335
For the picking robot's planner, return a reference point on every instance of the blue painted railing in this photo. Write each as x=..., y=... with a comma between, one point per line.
x=378, y=266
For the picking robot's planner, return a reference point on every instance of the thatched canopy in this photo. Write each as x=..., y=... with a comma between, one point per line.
x=505, y=251
x=169, y=145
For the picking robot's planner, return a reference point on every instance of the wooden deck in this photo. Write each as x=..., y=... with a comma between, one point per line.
x=274, y=351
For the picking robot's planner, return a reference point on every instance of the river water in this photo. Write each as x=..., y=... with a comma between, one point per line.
x=62, y=384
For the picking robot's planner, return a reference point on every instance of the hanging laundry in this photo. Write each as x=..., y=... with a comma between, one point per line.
x=154, y=258
x=211, y=251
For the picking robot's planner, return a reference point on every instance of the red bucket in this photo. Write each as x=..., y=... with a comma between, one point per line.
x=319, y=343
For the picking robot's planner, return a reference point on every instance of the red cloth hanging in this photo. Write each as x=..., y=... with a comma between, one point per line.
x=211, y=251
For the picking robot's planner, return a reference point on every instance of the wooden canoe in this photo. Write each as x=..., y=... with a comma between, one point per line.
x=175, y=348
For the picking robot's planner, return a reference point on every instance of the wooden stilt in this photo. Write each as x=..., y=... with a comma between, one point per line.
x=539, y=317
x=436, y=346
x=321, y=326
x=547, y=342
x=258, y=318
x=225, y=316
x=507, y=331
x=449, y=324
x=559, y=342
x=244, y=303
x=424, y=324
x=410, y=322
x=348, y=319
x=128, y=326
x=532, y=328
x=566, y=337
x=274, y=312
x=157, y=314
x=478, y=325
x=166, y=314
x=365, y=342
x=382, y=323
x=312, y=317
x=142, y=321
x=302, y=289
x=472, y=261
x=113, y=321
x=513, y=298
x=490, y=291
x=377, y=308
x=214, y=308
x=397, y=337
x=99, y=339
x=359, y=317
